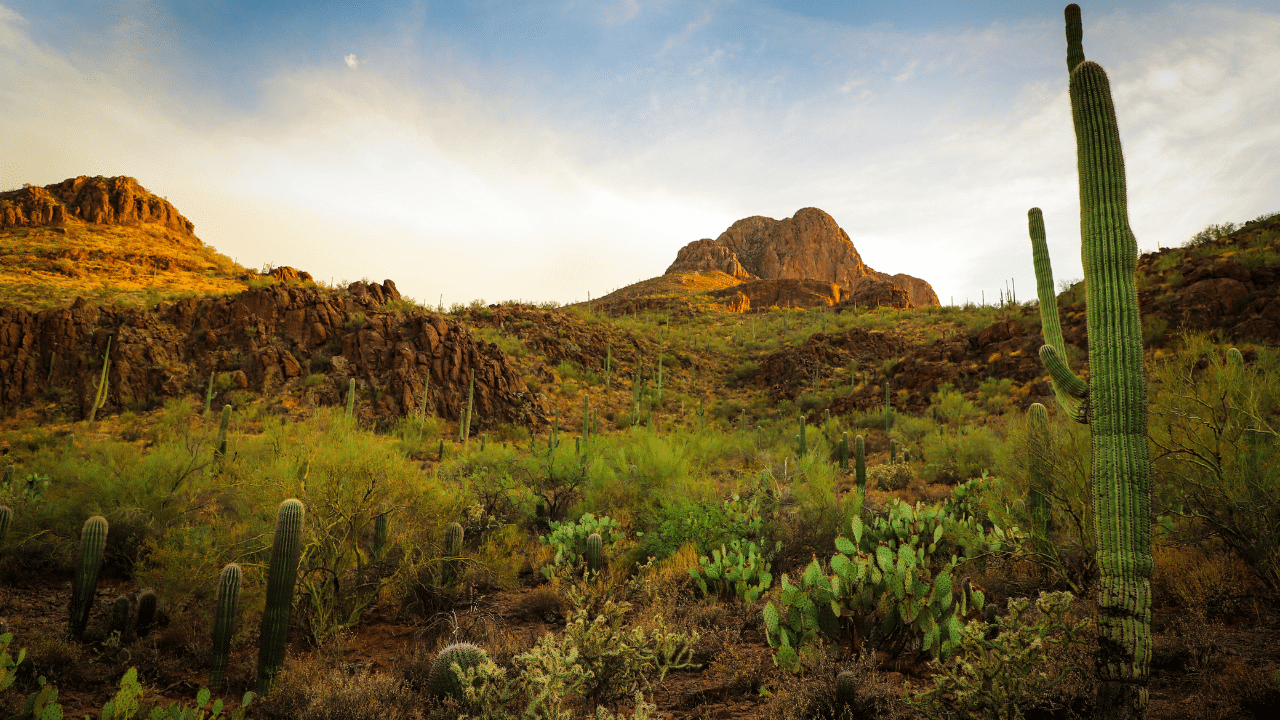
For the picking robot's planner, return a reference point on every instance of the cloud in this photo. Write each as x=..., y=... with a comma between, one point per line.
x=352, y=62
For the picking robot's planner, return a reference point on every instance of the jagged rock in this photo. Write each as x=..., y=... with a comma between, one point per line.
x=284, y=273
x=871, y=291
x=265, y=338
x=114, y=201
x=808, y=246
x=782, y=293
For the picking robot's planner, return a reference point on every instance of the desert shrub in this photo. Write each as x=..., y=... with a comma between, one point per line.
x=949, y=406
x=306, y=691
x=955, y=456
x=706, y=525
x=994, y=394
x=1211, y=233
x=890, y=476
x=1218, y=450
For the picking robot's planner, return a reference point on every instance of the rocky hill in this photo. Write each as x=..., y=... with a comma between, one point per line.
x=105, y=239
x=809, y=246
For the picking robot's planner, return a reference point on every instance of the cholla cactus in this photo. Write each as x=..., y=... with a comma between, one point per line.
x=442, y=681
x=93, y=540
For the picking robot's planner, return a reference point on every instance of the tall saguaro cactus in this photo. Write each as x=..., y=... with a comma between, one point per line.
x=286, y=550
x=1115, y=396
x=860, y=464
x=93, y=540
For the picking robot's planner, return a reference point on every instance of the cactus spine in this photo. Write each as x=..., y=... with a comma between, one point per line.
x=100, y=396
x=6, y=519
x=224, y=622
x=93, y=540
x=148, y=603
x=1038, y=419
x=221, y=451
x=442, y=681
x=286, y=550
x=594, y=543
x=1116, y=394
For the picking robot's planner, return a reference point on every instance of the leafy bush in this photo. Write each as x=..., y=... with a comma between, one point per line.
x=957, y=456
x=706, y=525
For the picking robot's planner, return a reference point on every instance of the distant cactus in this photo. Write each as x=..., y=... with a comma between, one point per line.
x=351, y=398
x=147, y=606
x=100, y=396
x=6, y=518
x=888, y=406
x=286, y=550
x=93, y=540
x=208, y=394
x=221, y=451
x=1234, y=358
x=803, y=447
x=846, y=690
x=466, y=424
x=893, y=451
x=844, y=451
x=442, y=681
x=380, y=533
x=594, y=544
x=224, y=622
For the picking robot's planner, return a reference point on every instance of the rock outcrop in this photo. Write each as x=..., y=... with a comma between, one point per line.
x=113, y=201
x=266, y=340
x=808, y=246
x=779, y=293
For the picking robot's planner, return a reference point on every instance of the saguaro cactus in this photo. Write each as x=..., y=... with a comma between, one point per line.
x=286, y=550
x=380, y=533
x=452, y=550
x=844, y=451
x=594, y=545
x=351, y=398
x=1116, y=394
x=6, y=519
x=223, y=424
x=1234, y=357
x=860, y=464
x=846, y=690
x=93, y=540
x=1038, y=419
x=224, y=622
x=804, y=448
x=148, y=604
x=120, y=617
x=100, y=387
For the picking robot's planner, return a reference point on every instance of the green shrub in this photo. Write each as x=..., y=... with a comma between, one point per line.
x=960, y=455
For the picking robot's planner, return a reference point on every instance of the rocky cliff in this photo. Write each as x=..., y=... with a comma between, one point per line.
x=298, y=339
x=808, y=246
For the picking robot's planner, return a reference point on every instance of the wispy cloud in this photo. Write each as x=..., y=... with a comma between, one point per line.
x=471, y=176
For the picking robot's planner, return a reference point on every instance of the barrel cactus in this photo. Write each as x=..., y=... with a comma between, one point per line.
x=93, y=540
x=1113, y=402
x=846, y=691
x=442, y=681
x=286, y=550
x=224, y=622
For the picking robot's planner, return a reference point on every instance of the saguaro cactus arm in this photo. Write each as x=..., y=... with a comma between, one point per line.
x=1067, y=387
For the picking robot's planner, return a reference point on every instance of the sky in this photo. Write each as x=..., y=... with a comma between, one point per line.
x=556, y=150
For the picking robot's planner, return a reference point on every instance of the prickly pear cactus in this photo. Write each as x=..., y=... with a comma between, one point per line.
x=442, y=681
x=93, y=540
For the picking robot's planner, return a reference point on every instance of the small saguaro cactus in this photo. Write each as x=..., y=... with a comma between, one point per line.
x=120, y=617
x=860, y=463
x=221, y=451
x=351, y=398
x=452, y=551
x=466, y=422
x=148, y=604
x=893, y=451
x=594, y=545
x=803, y=447
x=1234, y=358
x=286, y=551
x=380, y=533
x=208, y=394
x=442, y=681
x=100, y=387
x=6, y=519
x=586, y=416
x=888, y=406
x=844, y=451
x=93, y=540
x=846, y=690
x=224, y=622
